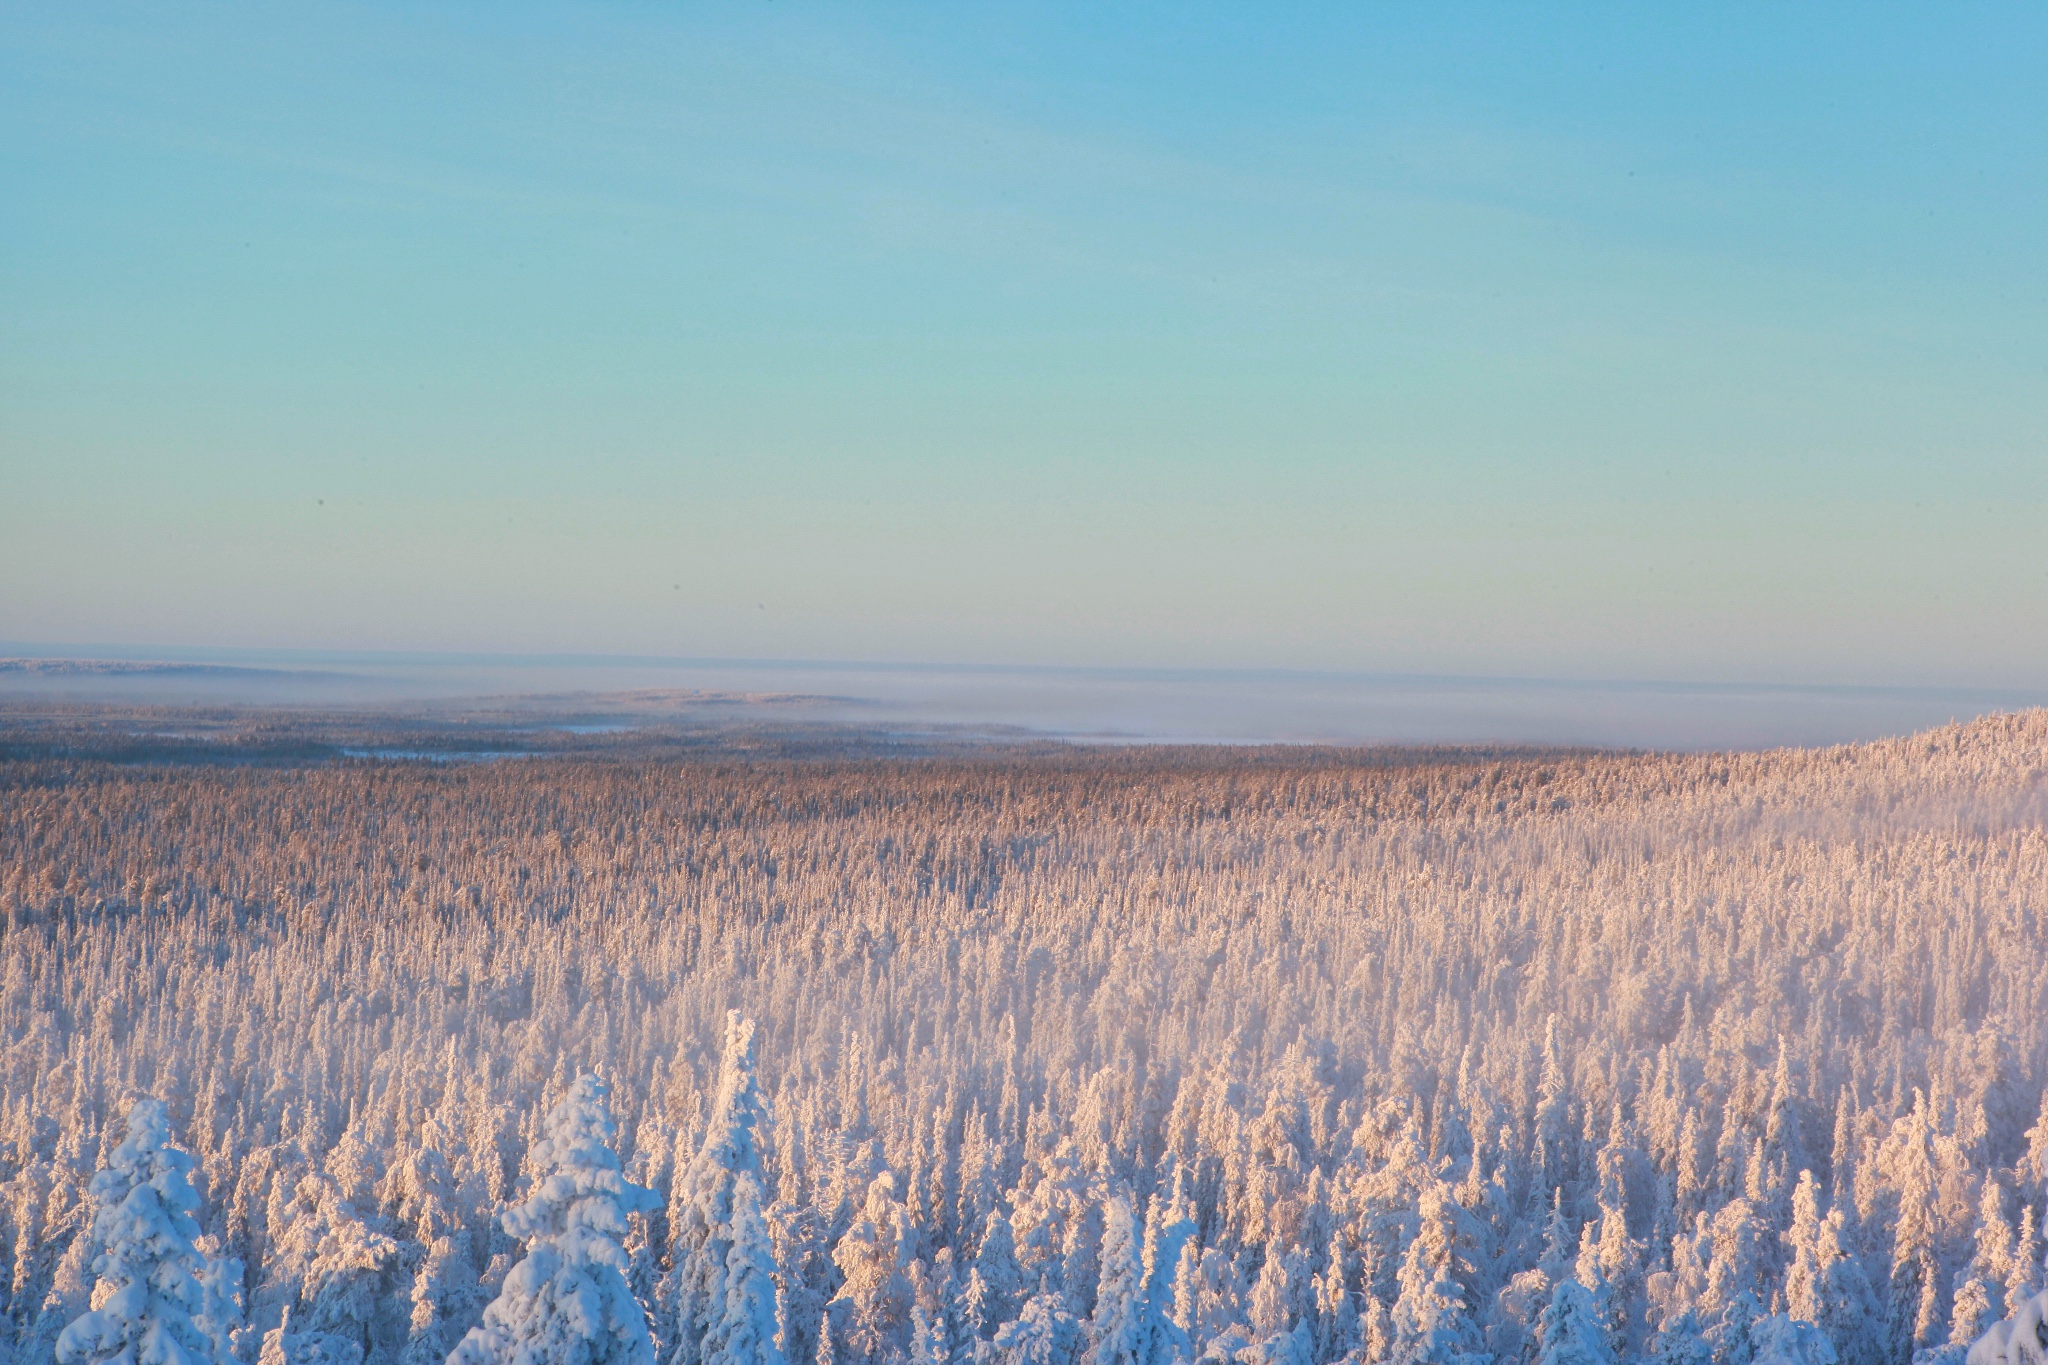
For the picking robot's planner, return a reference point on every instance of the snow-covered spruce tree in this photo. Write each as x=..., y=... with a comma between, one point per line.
x=1979, y=1299
x=1780, y=1340
x=1969, y=1319
x=1272, y=1295
x=1169, y=1230
x=567, y=1302
x=1681, y=1341
x=701, y=1207
x=1432, y=1318
x=1571, y=1330
x=1118, y=1327
x=445, y=1294
x=419, y=1193
x=928, y=1343
x=221, y=1310
x=284, y=1346
x=1849, y=1312
x=1431, y=1325
x=1802, y=1242
x=871, y=1311
x=346, y=1276
x=1044, y=1333
x=2023, y=1279
x=744, y=1323
x=2021, y=1339
x=1001, y=1278
x=148, y=1293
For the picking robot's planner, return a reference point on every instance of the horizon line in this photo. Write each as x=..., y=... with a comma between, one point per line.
x=126, y=653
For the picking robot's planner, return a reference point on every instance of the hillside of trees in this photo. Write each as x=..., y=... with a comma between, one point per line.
x=1059, y=1057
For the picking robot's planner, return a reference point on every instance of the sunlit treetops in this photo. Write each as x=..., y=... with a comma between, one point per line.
x=1294, y=1057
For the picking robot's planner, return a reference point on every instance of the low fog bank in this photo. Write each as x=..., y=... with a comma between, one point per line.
x=1089, y=705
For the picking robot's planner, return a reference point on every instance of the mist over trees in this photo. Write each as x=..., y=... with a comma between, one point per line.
x=1260, y=1058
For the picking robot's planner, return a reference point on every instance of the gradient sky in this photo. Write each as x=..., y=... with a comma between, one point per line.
x=1702, y=342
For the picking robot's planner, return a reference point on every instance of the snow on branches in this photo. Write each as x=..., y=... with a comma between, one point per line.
x=149, y=1302
x=567, y=1302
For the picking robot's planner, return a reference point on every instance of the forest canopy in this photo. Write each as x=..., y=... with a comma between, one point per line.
x=1035, y=1057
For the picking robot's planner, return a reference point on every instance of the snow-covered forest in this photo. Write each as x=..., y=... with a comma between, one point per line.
x=1255, y=1057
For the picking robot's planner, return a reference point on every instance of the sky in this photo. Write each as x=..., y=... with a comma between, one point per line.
x=1699, y=343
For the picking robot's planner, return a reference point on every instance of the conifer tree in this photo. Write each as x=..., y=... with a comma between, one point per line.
x=1553, y=1115
x=419, y=1195
x=1169, y=1230
x=1430, y=1320
x=148, y=1290
x=701, y=1217
x=222, y=1315
x=1118, y=1328
x=1732, y=1262
x=1681, y=1341
x=1991, y=1264
x=1781, y=1340
x=1572, y=1332
x=874, y=1297
x=974, y=1306
x=928, y=1341
x=346, y=1275
x=1803, y=1271
x=996, y=1267
x=1337, y=1324
x=567, y=1302
x=745, y=1326
x=2023, y=1276
x=1044, y=1332
x=1848, y=1308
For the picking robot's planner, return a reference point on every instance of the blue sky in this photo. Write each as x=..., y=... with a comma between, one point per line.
x=1571, y=341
